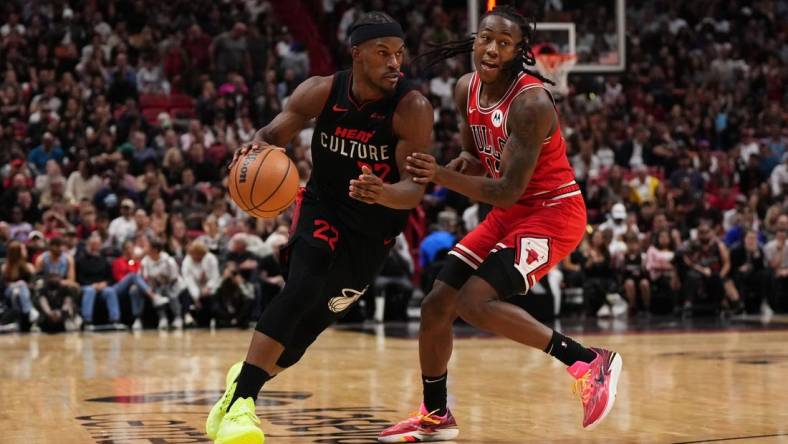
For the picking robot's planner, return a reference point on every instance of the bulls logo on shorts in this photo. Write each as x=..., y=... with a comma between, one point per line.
x=339, y=304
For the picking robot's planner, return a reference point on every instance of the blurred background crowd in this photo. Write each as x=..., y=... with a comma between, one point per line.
x=117, y=120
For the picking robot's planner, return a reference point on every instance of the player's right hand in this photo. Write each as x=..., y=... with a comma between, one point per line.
x=422, y=167
x=249, y=146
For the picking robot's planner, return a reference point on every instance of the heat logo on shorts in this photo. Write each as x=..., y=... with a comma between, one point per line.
x=245, y=166
x=339, y=304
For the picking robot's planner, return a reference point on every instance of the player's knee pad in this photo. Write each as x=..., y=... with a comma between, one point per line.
x=290, y=356
x=295, y=349
x=499, y=271
x=455, y=272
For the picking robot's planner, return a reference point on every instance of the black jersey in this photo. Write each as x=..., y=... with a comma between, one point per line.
x=347, y=136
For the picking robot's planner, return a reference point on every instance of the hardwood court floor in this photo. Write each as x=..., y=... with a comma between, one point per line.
x=123, y=388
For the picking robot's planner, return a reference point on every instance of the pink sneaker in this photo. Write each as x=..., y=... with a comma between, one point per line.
x=595, y=383
x=422, y=427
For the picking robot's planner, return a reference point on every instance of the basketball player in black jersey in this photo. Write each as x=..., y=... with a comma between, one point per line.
x=369, y=120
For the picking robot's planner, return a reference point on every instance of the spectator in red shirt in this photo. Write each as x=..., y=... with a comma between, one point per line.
x=126, y=263
x=129, y=282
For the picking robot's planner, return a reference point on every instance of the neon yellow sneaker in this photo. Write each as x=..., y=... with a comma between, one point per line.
x=220, y=408
x=240, y=425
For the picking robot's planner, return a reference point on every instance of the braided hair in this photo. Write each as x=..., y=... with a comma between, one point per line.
x=525, y=56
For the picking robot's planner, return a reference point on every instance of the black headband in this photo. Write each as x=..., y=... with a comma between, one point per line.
x=375, y=30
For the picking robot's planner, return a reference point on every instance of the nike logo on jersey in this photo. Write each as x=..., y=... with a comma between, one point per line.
x=339, y=304
x=339, y=109
x=377, y=116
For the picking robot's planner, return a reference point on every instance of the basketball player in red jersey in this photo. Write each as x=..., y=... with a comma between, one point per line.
x=514, y=158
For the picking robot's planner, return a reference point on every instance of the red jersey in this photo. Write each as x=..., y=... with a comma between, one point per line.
x=553, y=175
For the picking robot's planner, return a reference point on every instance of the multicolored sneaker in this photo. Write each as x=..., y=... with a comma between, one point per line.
x=220, y=408
x=422, y=426
x=240, y=425
x=595, y=384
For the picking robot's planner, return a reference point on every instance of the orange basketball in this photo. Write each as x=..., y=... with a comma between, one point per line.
x=264, y=182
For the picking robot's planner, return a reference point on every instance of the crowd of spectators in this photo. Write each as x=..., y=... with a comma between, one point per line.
x=114, y=212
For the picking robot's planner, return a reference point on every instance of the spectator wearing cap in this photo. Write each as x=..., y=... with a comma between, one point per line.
x=48, y=149
x=124, y=226
x=36, y=244
x=616, y=221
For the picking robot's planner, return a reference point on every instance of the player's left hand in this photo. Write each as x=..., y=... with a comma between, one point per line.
x=422, y=166
x=367, y=188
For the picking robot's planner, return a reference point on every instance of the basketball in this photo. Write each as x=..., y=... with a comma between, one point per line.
x=264, y=182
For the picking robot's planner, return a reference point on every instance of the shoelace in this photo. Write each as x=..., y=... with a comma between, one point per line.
x=419, y=417
x=238, y=416
x=582, y=387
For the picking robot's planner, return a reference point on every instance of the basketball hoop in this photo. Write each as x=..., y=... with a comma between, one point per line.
x=556, y=67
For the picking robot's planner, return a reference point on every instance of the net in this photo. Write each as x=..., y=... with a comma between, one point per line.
x=556, y=67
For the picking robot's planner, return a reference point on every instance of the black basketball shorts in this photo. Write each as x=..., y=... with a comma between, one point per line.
x=327, y=269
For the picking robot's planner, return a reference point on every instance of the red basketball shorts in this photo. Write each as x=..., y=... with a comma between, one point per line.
x=530, y=238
